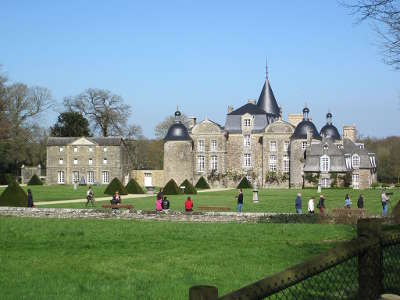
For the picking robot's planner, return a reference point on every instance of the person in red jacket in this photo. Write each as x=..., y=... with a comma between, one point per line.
x=189, y=204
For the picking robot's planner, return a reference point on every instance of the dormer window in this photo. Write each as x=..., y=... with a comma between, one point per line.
x=325, y=163
x=355, y=161
x=247, y=122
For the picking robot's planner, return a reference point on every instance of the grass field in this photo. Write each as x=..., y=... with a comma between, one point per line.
x=270, y=200
x=119, y=259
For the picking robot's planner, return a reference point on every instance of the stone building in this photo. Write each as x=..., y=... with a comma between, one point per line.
x=257, y=143
x=86, y=160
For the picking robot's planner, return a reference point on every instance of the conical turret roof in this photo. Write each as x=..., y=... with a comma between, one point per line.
x=267, y=101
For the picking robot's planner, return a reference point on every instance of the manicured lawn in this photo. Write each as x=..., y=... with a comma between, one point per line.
x=270, y=200
x=120, y=259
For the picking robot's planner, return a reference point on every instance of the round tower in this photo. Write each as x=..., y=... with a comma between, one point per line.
x=178, y=153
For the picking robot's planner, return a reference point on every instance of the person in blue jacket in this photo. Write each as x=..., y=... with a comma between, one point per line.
x=298, y=204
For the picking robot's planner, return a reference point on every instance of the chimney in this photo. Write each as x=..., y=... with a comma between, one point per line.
x=252, y=101
x=295, y=119
x=349, y=132
x=191, y=122
x=230, y=109
x=309, y=137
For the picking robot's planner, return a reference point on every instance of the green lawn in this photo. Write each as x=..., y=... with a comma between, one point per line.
x=120, y=259
x=271, y=200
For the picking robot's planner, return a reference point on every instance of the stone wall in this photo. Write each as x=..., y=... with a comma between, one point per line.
x=178, y=161
x=157, y=177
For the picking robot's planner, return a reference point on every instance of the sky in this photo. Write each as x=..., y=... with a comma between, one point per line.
x=204, y=56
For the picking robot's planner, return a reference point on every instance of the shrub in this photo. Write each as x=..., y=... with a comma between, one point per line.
x=14, y=195
x=189, y=188
x=375, y=185
x=7, y=178
x=115, y=185
x=171, y=188
x=244, y=184
x=133, y=187
x=35, y=180
x=397, y=185
x=202, y=184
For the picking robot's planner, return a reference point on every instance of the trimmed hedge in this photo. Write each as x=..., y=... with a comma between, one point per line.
x=133, y=187
x=202, y=184
x=35, y=180
x=244, y=184
x=14, y=195
x=115, y=185
x=171, y=188
x=189, y=188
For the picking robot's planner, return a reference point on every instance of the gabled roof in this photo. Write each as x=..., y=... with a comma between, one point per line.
x=101, y=141
x=249, y=108
x=267, y=101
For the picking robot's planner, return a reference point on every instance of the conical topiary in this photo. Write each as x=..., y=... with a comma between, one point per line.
x=189, y=188
x=115, y=185
x=14, y=195
x=35, y=180
x=202, y=184
x=244, y=184
x=171, y=188
x=133, y=187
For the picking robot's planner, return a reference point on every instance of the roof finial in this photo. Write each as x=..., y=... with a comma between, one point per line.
x=266, y=68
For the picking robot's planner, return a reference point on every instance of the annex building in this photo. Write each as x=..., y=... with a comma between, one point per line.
x=256, y=142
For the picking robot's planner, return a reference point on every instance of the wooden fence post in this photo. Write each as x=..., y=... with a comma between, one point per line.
x=370, y=275
x=203, y=292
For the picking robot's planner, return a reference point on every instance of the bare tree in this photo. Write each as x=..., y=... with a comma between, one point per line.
x=105, y=110
x=385, y=17
x=162, y=128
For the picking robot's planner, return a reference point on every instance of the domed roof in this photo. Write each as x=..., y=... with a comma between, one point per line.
x=177, y=131
x=305, y=126
x=329, y=130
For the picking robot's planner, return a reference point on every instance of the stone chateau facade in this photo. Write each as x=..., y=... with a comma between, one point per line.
x=86, y=160
x=257, y=143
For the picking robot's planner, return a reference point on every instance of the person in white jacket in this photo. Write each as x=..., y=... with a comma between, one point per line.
x=311, y=205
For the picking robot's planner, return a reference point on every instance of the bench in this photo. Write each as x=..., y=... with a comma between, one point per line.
x=213, y=208
x=348, y=215
x=113, y=206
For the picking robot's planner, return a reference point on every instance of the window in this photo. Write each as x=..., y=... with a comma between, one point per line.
x=60, y=177
x=75, y=161
x=356, y=181
x=325, y=183
x=324, y=163
x=75, y=149
x=201, y=163
x=286, y=164
x=104, y=160
x=303, y=145
x=90, y=149
x=105, y=177
x=90, y=161
x=214, y=162
x=200, y=145
x=247, y=160
x=246, y=141
x=75, y=176
x=272, y=146
x=61, y=149
x=214, y=145
x=61, y=161
x=105, y=149
x=355, y=161
x=247, y=122
x=286, y=146
x=90, y=177
x=272, y=163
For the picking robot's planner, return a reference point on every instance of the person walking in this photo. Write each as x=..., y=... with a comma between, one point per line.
x=385, y=201
x=311, y=205
x=297, y=204
x=165, y=204
x=347, y=201
x=321, y=204
x=30, y=199
x=360, y=201
x=90, y=197
x=239, y=201
x=188, y=204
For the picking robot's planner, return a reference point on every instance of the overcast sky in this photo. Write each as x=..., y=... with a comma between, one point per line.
x=204, y=56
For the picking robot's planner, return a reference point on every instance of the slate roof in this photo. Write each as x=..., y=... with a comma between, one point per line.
x=303, y=127
x=101, y=141
x=267, y=101
x=249, y=108
x=177, y=132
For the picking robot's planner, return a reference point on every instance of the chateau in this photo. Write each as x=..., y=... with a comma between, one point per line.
x=257, y=143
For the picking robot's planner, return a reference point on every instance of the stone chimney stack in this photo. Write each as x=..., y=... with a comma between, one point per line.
x=295, y=119
x=191, y=122
x=309, y=137
x=350, y=132
x=230, y=109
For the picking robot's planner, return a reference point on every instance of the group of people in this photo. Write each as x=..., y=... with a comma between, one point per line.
x=162, y=203
x=311, y=204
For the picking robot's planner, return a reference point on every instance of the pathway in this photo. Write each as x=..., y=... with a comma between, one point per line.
x=130, y=196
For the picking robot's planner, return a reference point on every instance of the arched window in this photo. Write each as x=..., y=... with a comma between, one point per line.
x=325, y=163
x=355, y=161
